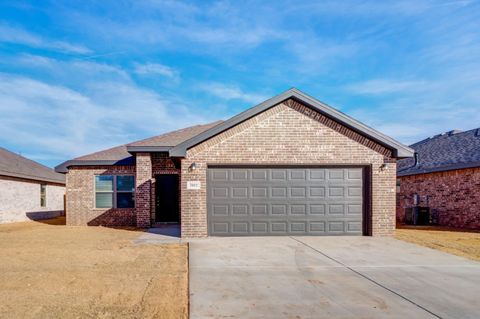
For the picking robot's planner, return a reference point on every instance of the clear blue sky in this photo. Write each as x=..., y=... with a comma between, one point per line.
x=80, y=76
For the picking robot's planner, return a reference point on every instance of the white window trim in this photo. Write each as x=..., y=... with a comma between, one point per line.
x=41, y=186
x=113, y=192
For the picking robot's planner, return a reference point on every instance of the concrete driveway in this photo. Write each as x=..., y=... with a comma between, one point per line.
x=329, y=277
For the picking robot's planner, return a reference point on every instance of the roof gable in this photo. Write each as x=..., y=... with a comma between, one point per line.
x=398, y=149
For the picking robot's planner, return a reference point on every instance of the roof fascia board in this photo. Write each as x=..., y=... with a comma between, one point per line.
x=399, y=150
x=154, y=149
x=440, y=169
x=181, y=149
x=32, y=178
x=63, y=168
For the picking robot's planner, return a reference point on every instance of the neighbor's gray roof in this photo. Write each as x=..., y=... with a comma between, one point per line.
x=444, y=152
x=14, y=165
x=120, y=155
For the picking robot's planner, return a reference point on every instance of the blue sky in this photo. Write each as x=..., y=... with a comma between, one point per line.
x=80, y=76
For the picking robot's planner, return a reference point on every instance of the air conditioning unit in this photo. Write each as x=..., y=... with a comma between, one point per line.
x=417, y=215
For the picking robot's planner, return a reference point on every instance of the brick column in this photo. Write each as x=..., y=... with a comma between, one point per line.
x=143, y=182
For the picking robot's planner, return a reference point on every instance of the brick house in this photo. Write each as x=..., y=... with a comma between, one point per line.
x=444, y=175
x=290, y=165
x=28, y=190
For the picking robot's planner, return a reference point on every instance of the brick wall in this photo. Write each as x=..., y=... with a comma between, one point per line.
x=454, y=194
x=80, y=193
x=143, y=181
x=287, y=134
x=20, y=200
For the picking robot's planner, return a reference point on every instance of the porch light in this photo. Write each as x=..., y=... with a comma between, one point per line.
x=384, y=166
x=193, y=166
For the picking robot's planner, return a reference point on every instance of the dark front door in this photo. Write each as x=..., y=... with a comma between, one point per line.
x=166, y=198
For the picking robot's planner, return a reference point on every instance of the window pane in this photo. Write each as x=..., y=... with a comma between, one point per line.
x=125, y=200
x=104, y=183
x=125, y=183
x=104, y=200
x=43, y=195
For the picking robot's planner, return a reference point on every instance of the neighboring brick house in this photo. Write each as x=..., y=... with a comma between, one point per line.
x=28, y=190
x=444, y=175
x=290, y=165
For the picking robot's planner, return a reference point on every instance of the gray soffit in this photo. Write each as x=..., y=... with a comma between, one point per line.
x=399, y=150
x=63, y=168
x=148, y=149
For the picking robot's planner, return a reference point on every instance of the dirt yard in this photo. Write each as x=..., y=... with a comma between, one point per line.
x=454, y=241
x=56, y=271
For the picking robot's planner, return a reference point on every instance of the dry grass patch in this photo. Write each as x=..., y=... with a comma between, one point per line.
x=55, y=271
x=462, y=243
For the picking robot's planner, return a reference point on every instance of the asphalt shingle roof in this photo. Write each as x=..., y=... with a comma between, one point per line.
x=119, y=153
x=447, y=151
x=14, y=165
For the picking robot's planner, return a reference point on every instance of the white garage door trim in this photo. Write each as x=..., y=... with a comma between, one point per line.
x=287, y=200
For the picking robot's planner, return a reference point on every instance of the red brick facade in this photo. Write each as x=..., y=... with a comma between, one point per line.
x=80, y=198
x=283, y=135
x=288, y=133
x=143, y=181
x=455, y=195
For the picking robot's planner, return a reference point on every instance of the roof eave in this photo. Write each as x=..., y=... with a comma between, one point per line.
x=148, y=149
x=439, y=169
x=63, y=168
x=399, y=150
x=32, y=178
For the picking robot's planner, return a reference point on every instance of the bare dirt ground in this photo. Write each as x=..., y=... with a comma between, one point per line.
x=48, y=270
x=464, y=243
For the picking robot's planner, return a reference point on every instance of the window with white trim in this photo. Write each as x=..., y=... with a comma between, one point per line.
x=43, y=195
x=114, y=191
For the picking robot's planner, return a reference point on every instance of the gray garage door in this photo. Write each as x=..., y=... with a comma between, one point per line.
x=284, y=201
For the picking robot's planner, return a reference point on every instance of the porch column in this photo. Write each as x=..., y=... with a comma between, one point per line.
x=143, y=184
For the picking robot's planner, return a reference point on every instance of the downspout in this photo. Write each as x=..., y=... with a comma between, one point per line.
x=415, y=163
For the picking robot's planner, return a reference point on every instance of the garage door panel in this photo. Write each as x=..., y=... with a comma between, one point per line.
x=285, y=201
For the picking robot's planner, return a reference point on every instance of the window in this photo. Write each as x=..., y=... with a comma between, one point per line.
x=113, y=191
x=43, y=195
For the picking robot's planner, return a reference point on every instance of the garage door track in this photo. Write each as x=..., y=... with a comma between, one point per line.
x=329, y=277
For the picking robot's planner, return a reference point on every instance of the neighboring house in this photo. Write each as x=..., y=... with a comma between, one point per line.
x=288, y=166
x=28, y=190
x=444, y=175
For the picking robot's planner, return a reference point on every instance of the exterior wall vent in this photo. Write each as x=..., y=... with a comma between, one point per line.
x=453, y=132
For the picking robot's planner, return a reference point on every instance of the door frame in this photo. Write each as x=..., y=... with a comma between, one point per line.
x=367, y=185
x=156, y=210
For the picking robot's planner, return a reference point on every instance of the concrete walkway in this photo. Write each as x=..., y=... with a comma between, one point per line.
x=161, y=234
x=329, y=277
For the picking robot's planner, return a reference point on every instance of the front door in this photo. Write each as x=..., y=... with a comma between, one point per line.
x=166, y=198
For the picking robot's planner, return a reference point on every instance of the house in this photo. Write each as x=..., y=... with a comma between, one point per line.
x=445, y=176
x=28, y=190
x=288, y=166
